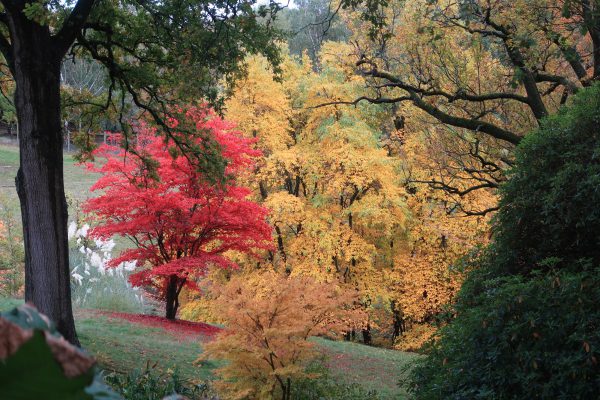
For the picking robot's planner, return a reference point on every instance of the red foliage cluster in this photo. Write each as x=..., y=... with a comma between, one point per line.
x=180, y=223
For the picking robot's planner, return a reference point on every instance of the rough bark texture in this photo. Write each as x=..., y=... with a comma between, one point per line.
x=172, y=297
x=36, y=68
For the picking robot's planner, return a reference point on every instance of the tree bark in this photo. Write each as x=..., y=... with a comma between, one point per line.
x=171, y=298
x=35, y=65
x=366, y=334
x=397, y=320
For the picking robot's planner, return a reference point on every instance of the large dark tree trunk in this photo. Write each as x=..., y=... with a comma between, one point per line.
x=36, y=68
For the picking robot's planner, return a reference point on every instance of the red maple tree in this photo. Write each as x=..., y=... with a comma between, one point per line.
x=179, y=222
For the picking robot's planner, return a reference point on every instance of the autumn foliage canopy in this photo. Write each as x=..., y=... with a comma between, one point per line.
x=179, y=221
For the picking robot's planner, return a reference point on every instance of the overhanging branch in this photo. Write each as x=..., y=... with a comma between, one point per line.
x=72, y=26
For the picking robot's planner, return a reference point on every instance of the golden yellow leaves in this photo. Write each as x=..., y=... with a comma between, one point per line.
x=269, y=104
x=269, y=318
x=335, y=186
x=286, y=209
x=332, y=190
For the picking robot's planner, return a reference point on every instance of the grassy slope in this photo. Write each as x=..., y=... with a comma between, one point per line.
x=372, y=367
x=122, y=346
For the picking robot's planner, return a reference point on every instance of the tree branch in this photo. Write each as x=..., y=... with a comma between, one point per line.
x=543, y=77
x=459, y=95
x=72, y=26
x=474, y=125
x=415, y=96
x=379, y=100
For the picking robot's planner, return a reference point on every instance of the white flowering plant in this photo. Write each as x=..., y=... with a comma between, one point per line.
x=93, y=283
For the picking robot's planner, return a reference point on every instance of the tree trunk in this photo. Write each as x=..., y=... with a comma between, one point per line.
x=397, y=321
x=366, y=334
x=171, y=298
x=286, y=388
x=40, y=185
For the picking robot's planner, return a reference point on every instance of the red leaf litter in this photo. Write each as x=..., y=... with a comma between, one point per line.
x=179, y=327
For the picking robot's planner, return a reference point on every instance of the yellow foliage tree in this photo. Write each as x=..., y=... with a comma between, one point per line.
x=439, y=234
x=335, y=196
x=341, y=182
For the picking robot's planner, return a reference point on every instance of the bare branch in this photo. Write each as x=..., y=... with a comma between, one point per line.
x=380, y=100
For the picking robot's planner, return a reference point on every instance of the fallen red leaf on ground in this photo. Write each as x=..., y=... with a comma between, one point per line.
x=180, y=327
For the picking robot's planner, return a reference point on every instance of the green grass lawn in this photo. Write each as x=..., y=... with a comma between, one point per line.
x=77, y=186
x=77, y=179
x=122, y=346
x=372, y=367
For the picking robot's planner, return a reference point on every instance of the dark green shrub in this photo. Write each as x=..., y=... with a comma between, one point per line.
x=527, y=321
x=527, y=338
x=549, y=207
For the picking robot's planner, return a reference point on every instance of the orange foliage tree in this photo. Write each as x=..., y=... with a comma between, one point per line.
x=269, y=319
x=423, y=281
